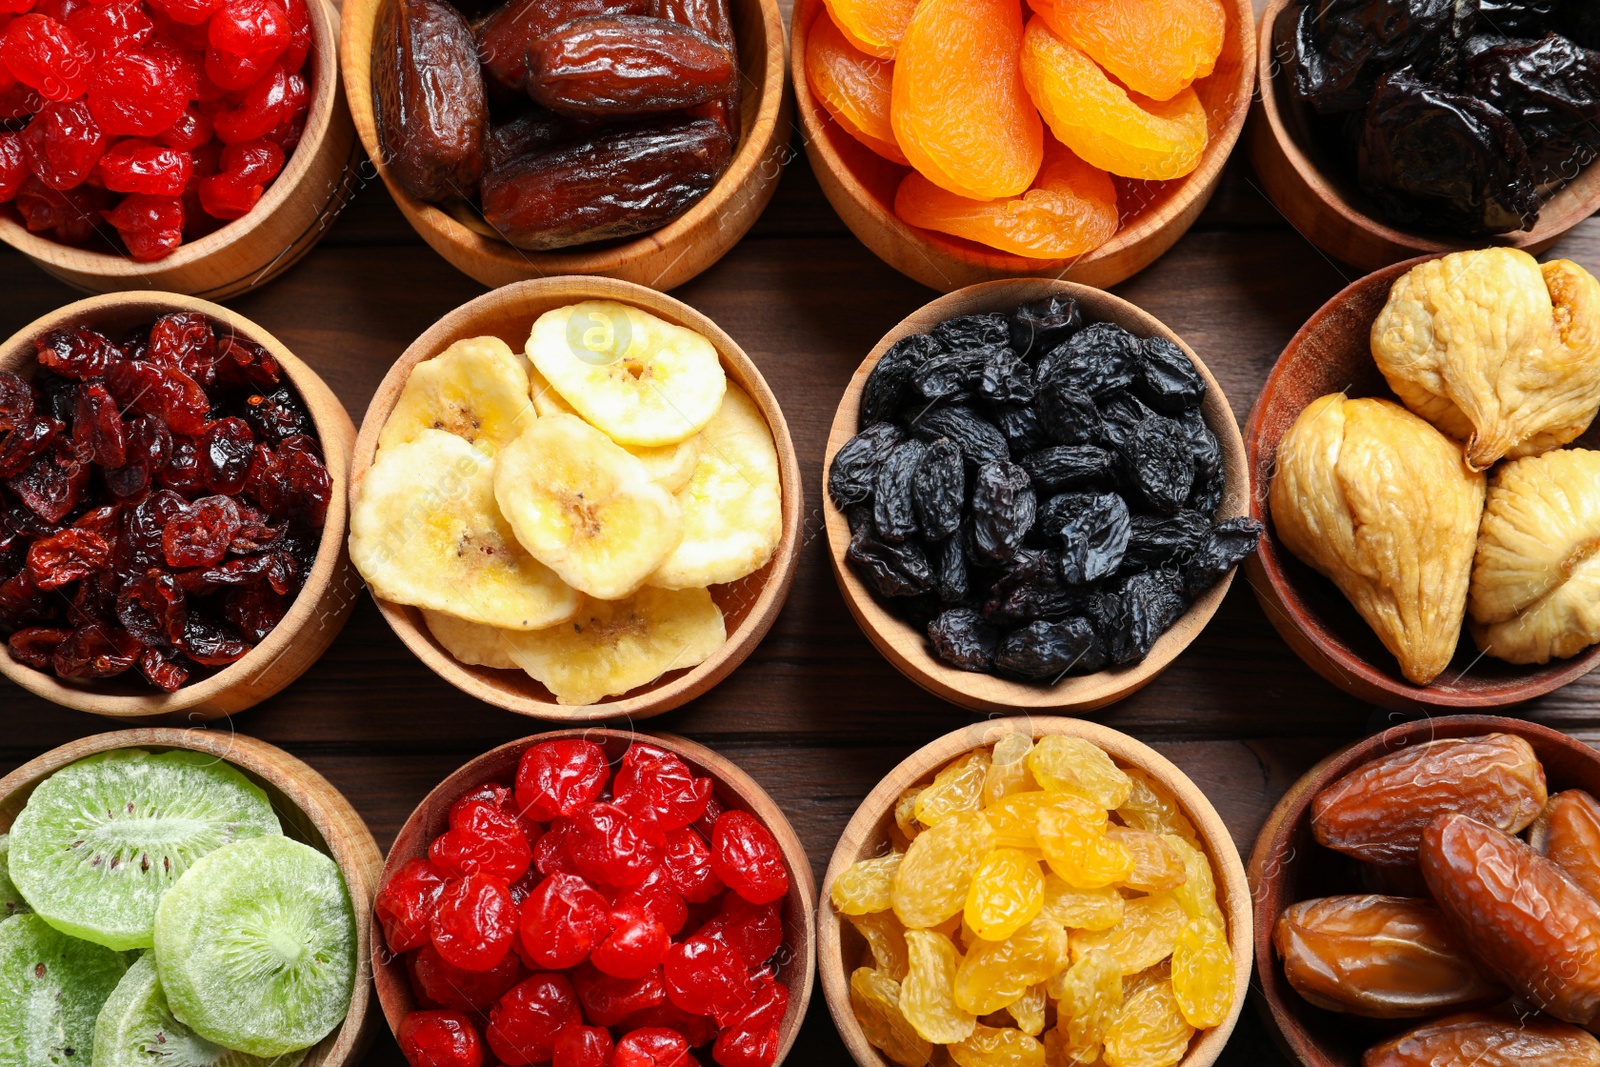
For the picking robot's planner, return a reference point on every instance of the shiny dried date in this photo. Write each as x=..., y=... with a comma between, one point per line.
x=1488, y=1039
x=1568, y=831
x=506, y=33
x=626, y=65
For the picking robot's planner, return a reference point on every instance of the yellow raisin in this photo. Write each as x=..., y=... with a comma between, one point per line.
x=1027, y=1011
x=1063, y=764
x=995, y=973
x=1080, y=909
x=1015, y=818
x=1150, y=1030
x=875, y=998
x=927, y=995
x=1202, y=974
x=958, y=787
x=1081, y=854
x=864, y=886
x=1090, y=997
x=1198, y=893
x=1008, y=768
x=905, y=814
x=1006, y=892
x=1145, y=936
x=1156, y=865
x=998, y=1047
x=1152, y=807
x=931, y=882
x=1058, y=1054
x=886, y=938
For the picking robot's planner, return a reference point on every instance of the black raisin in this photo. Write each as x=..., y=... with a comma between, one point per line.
x=976, y=332
x=1067, y=467
x=888, y=387
x=889, y=570
x=1202, y=442
x=952, y=377
x=919, y=610
x=1048, y=650
x=1006, y=379
x=892, y=511
x=855, y=465
x=938, y=489
x=1155, y=539
x=951, y=575
x=1041, y=325
x=962, y=639
x=1132, y=617
x=979, y=441
x=859, y=516
x=1209, y=493
x=1003, y=507
x=1069, y=415
x=1156, y=465
x=1030, y=588
x=1099, y=359
x=1093, y=533
x=1121, y=415
x=1227, y=544
x=1167, y=379
x=1020, y=425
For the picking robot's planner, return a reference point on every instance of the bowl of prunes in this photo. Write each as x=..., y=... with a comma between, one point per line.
x=1389, y=129
x=1036, y=496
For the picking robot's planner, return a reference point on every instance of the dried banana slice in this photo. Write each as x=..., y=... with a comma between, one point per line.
x=1383, y=505
x=470, y=642
x=476, y=389
x=585, y=507
x=425, y=531
x=1536, y=580
x=636, y=378
x=733, y=505
x=669, y=466
x=614, y=646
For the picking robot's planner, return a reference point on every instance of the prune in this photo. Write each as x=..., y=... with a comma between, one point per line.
x=1006, y=379
x=626, y=64
x=1132, y=617
x=1030, y=588
x=893, y=514
x=185, y=340
x=951, y=574
x=28, y=436
x=153, y=608
x=210, y=644
x=1020, y=425
x=1550, y=89
x=855, y=465
x=989, y=330
x=1156, y=464
x=1094, y=532
x=1003, y=509
x=95, y=651
x=1223, y=549
x=890, y=570
x=1046, y=650
x=76, y=352
x=952, y=377
x=97, y=429
x=1336, y=50
x=962, y=639
x=938, y=489
x=921, y=609
x=980, y=443
x=1099, y=360
x=1042, y=325
x=53, y=483
x=276, y=415
x=1067, y=467
x=503, y=37
x=1069, y=414
x=225, y=452
x=1167, y=379
x=1156, y=539
x=1209, y=492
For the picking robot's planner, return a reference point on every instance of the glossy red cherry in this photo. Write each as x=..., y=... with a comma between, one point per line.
x=654, y=1047
x=475, y=922
x=550, y=855
x=667, y=906
x=439, y=984
x=705, y=977
x=610, y=846
x=747, y=858
x=46, y=56
x=582, y=1046
x=607, y=1001
x=563, y=920
x=556, y=778
x=136, y=93
x=663, y=781
x=755, y=931
x=686, y=867
x=482, y=837
x=406, y=903
x=439, y=1039
x=636, y=944
x=134, y=165
x=524, y=1025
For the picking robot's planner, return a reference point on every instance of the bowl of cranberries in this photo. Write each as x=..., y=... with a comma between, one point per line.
x=596, y=898
x=197, y=146
x=172, y=509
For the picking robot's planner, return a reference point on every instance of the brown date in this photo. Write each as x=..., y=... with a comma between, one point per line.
x=1568, y=831
x=1523, y=917
x=614, y=183
x=1382, y=957
x=505, y=35
x=1376, y=812
x=626, y=65
x=1484, y=1039
x=536, y=131
x=427, y=93
x=712, y=18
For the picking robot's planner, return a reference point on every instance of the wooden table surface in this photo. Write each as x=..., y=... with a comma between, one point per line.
x=815, y=714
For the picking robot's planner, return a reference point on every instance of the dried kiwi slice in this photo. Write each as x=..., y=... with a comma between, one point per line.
x=51, y=989
x=101, y=840
x=137, y=1029
x=256, y=946
x=11, y=902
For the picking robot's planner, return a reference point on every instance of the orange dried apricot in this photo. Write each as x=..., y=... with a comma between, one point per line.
x=1102, y=122
x=853, y=86
x=1154, y=47
x=874, y=26
x=958, y=106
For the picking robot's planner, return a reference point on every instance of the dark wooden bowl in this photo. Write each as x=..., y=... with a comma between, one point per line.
x=1332, y=353
x=1288, y=866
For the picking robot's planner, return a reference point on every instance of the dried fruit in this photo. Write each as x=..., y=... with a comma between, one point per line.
x=428, y=97
x=886, y=939
x=875, y=999
x=1006, y=894
x=998, y=1047
x=1060, y=763
x=1154, y=47
x=875, y=28
x=927, y=994
x=1488, y=1040
x=1089, y=1001
x=933, y=879
x=1568, y=832
x=1146, y=935
x=995, y=973
x=626, y=65
x=1150, y=1031
x=853, y=84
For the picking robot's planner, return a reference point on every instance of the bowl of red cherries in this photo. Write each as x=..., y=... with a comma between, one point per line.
x=596, y=898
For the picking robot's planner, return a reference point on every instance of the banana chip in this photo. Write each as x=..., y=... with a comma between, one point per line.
x=475, y=389
x=470, y=642
x=669, y=466
x=425, y=531
x=616, y=646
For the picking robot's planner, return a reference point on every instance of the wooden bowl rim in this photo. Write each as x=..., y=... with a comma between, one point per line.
x=1228, y=869
x=325, y=411
x=320, y=116
x=345, y=836
x=937, y=248
x=733, y=783
x=358, y=23
x=660, y=696
x=893, y=637
x=1286, y=608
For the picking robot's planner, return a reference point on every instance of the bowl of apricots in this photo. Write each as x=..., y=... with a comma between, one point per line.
x=968, y=140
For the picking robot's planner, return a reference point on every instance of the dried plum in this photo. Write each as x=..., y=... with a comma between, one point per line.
x=1155, y=539
x=889, y=570
x=1006, y=379
x=1202, y=442
x=987, y=331
x=1067, y=467
x=950, y=376
x=951, y=575
x=1224, y=547
x=962, y=639
x=1069, y=415
x=1132, y=617
x=938, y=490
x=892, y=512
x=1550, y=89
x=1167, y=379
x=1100, y=360
x=855, y=465
x=1003, y=509
x=1044, y=650
x=1156, y=465
x=978, y=440
x=1093, y=529
x=1209, y=492
x=1041, y=325
x=888, y=387
x=1337, y=50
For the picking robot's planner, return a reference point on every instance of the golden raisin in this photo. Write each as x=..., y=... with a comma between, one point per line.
x=853, y=86
x=1091, y=998
x=957, y=787
x=1072, y=765
x=927, y=995
x=1202, y=974
x=1154, y=47
x=1080, y=909
x=1156, y=865
x=1027, y=1011
x=998, y=1047
x=1008, y=768
x=1145, y=936
x=886, y=938
x=995, y=973
x=1015, y=818
x=1150, y=1030
x=875, y=998
x=905, y=818
x=931, y=882
x=864, y=886
x=1198, y=893
x=1082, y=854
x=1152, y=806
x=1006, y=893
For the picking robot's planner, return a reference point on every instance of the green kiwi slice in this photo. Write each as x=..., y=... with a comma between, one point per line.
x=101, y=840
x=11, y=902
x=51, y=990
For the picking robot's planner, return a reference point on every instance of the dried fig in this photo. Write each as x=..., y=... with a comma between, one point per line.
x=1488, y=1039
x=1495, y=350
x=1383, y=505
x=1535, y=593
x=505, y=35
x=625, y=65
x=1568, y=832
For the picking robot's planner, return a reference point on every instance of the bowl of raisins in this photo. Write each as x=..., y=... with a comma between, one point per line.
x=174, y=504
x=596, y=896
x=1036, y=497
x=203, y=150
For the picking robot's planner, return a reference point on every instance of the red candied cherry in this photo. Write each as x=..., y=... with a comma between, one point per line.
x=706, y=821
x=502, y=797
x=287, y=133
x=563, y=920
x=686, y=867
x=439, y=984
x=294, y=56
x=582, y=1046
x=665, y=782
x=46, y=56
x=187, y=67
x=17, y=101
x=698, y=1029
x=256, y=111
x=659, y=900
x=475, y=922
x=406, y=903
x=636, y=944
x=136, y=93
x=13, y=166
x=188, y=131
x=15, y=7
x=745, y=856
x=232, y=74
x=611, y=847
x=755, y=931
x=134, y=165
x=607, y=1000
x=653, y=1047
x=64, y=143
x=151, y=226
x=482, y=837
x=550, y=855
x=110, y=28
x=250, y=28
x=439, y=1039
x=186, y=12
x=705, y=977
x=243, y=171
x=524, y=1025
x=751, y=1039
x=556, y=778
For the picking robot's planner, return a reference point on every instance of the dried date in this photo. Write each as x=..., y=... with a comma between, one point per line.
x=1568, y=832
x=1488, y=1040
x=712, y=18
x=429, y=100
x=608, y=65
x=506, y=33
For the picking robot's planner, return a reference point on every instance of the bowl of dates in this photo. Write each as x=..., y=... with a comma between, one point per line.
x=1036, y=497
x=596, y=896
x=1035, y=890
x=637, y=139
x=197, y=150
x=1414, y=886
x=1394, y=128
x=174, y=508
x=1054, y=139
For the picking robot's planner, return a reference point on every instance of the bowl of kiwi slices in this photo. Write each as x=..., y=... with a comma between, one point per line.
x=201, y=893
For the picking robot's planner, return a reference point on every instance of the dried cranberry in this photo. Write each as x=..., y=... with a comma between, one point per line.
x=28, y=436
x=705, y=977
x=185, y=341
x=53, y=483
x=135, y=93
x=18, y=399
x=76, y=352
x=607, y=1000
x=69, y=216
x=182, y=471
x=556, y=778
x=244, y=170
x=525, y=1023
x=636, y=945
x=67, y=556
x=45, y=56
x=475, y=922
x=439, y=1039
x=64, y=142
x=747, y=858
x=656, y=1047
x=406, y=903
x=581, y=1046
x=139, y=546
x=277, y=569
x=439, y=983
x=35, y=645
x=151, y=389
x=209, y=644
x=611, y=847
x=562, y=920
x=96, y=651
x=276, y=416
x=160, y=671
x=153, y=608
x=254, y=611
x=665, y=782
x=199, y=536
x=243, y=364
x=97, y=428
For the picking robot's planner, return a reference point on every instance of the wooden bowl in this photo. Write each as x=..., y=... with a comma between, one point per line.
x=903, y=644
x=867, y=836
x=319, y=610
x=749, y=606
x=1332, y=353
x=312, y=812
x=1287, y=865
x=293, y=215
x=860, y=184
x=1332, y=213
x=662, y=259
x=797, y=959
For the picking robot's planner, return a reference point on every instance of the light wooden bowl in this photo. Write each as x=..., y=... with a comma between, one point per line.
x=749, y=606
x=903, y=644
x=320, y=609
x=662, y=259
x=860, y=184
x=1330, y=354
x=293, y=215
x=867, y=836
x=311, y=809
x=1287, y=865
x=1332, y=213
x=797, y=959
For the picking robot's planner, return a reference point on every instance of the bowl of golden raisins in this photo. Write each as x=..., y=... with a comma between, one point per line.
x=1035, y=890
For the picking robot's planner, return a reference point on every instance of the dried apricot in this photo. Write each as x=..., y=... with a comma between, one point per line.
x=1102, y=122
x=957, y=787
x=853, y=86
x=958, y=106
x=865, y=886
x=927, y=995
x=1062, y=764
x=1145, y=936
x=1150, y=1031
x=1202, y=974
x=887, y=939
x=874, y=26
x=876, y=1000
x=995, y=973
x=1006, y=893
x=1154, y=47
x=931, y=882
x=991, y=1046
